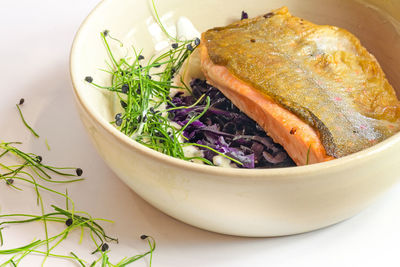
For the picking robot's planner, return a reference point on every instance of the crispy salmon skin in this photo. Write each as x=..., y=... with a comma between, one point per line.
x=315, y=89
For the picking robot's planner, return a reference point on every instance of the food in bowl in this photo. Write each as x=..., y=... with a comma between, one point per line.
x=314, y=89
x=260, y=202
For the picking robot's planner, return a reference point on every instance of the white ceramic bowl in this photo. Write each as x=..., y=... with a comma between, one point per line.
x=264, y=202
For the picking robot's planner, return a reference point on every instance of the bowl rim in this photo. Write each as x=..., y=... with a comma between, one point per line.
x=348, y=161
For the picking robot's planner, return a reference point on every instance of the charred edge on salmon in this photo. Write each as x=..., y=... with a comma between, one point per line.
x=268, y=15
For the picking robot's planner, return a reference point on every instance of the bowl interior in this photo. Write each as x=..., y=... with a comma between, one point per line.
x=132, y=22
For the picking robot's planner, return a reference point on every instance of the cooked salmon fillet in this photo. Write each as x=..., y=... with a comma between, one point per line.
x=314, y=89
x=301, y=141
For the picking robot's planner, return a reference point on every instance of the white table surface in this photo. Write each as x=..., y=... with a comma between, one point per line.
x=34, y=51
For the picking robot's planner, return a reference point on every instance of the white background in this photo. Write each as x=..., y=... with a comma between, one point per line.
x=35, y=39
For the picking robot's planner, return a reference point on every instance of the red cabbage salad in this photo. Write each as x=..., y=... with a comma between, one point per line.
x=226, y=129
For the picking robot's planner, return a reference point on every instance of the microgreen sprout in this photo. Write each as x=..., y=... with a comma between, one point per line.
x=21, y=101
x=47, y=144
x=157, y=18
x=143, y=92
x=143, y=97
x=34, y=172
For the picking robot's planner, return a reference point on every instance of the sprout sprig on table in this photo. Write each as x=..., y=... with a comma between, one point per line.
x=33, y=171
x=30, y=169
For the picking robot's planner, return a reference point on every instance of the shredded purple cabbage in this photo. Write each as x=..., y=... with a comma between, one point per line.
x=226, y=129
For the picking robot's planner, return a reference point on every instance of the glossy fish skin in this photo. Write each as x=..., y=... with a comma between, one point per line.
x=322, y=74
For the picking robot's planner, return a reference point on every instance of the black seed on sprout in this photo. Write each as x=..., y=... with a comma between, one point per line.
x=244, y=16
x=143, y=237
x=173, y=70
x=140, y=57
x=157, y=65
x=21, y=101
x=118, y=116
x=118, y=122
x=125, y=88
x=9, y=181
x=125, y=72
x=144, y=119
x=104, y=247
x=197, y=41
x=68, y=222
x=89, y=79
x=39, y=159
x=174, y=45
x=123, y=104
x=79, y=171
x=189, y=47
x=148, y=76
x=105, y=32
x=152, y=110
